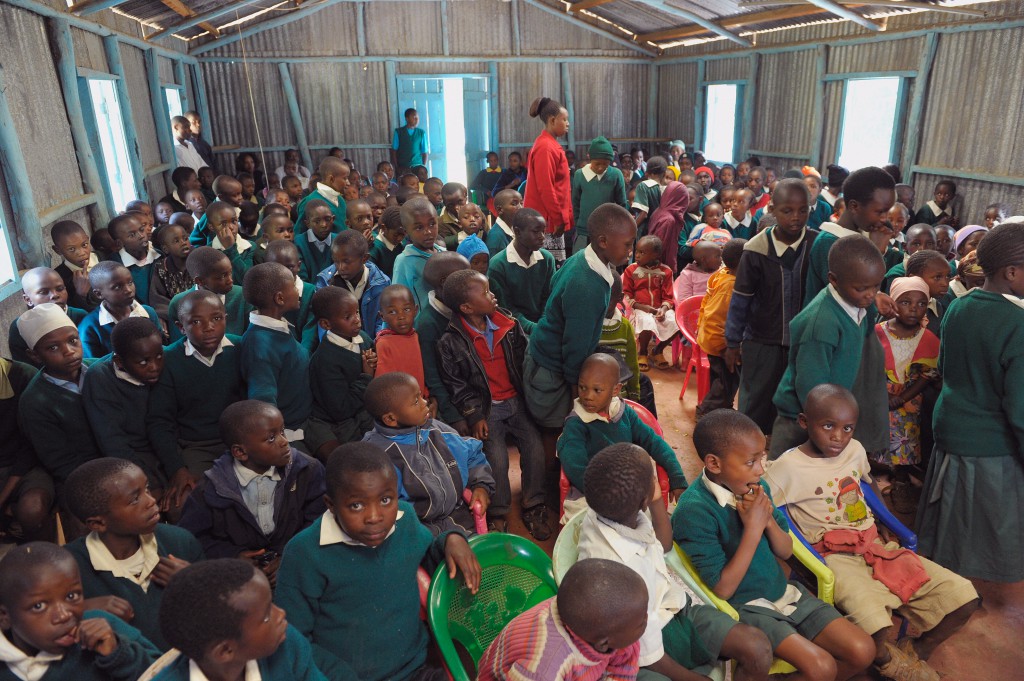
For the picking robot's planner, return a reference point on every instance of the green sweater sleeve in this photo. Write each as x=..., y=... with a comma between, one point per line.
x=572, y=451
x=655, y=445
x=336, y=393
x=584, y=317
x=133, y=655
x=813, y=366
x=240, y=262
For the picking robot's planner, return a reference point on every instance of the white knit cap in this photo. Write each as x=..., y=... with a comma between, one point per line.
x=677, y=143
x=41, y=320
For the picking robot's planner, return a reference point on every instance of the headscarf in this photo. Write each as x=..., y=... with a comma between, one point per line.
x=965, y=232
x=903, y=285
x=668, y=220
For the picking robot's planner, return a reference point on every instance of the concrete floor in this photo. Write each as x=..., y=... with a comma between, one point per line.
x=989, y=647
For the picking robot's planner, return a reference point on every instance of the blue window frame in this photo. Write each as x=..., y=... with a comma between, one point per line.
x=722, y=121
x=871, y=125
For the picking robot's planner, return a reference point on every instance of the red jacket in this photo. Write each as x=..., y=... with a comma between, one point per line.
x=548, y=185
x=648, y=287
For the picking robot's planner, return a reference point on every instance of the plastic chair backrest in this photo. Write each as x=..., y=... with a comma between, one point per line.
x=516, y=575
x=687, y=314
x=646, y=416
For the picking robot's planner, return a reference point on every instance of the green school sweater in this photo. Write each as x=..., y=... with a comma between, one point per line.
x=570, y=327
x=384, y=257
x=141, y=275
x=497, y=240
x=170, y=540
x=409, y=271
x=339, y=214
x=523, y=291
x=187, y=401
x=276, y=369
x=430, y=325
x=312, y=261
x=619, y=336
x=359, y=606
x=133, y=655
x=710, y=534
x=589, y=194
x=55, y=422
x=304, y=327
x=580, y=442
x=241, y=261
x=117, y=412
x=234, y=304
x=337, y=380
x=817, y=267
x=825, y=347
x=18, y=346
x=980, y=411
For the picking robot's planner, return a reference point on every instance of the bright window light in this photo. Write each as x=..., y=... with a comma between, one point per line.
x=869, y=121
x=720, y=123
x=7, y=264
x=173, y=97
x=454, y=131
x=110, y=130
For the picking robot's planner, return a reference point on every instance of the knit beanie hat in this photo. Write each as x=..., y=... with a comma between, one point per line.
x=837, y=175
x=964, y=232
x=40, y=320
x=705, y=169
x=471, y=246
x=601, y=149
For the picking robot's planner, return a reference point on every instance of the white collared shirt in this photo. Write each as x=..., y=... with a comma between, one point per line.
x=331, y=532
x=359, y=287
x=23, y=665
x=838, y=230
x=136, y=568
x=223, y=297
x=781, y=248
x=127, y=259
x=299, y=285
x=282, y=325
x=321, y=244
x=186, y=155
x=723, y=496
x=589, y=174
x=68, y=385
x=190, y=351
x=504, y=226
x=939, y=211
x=384, y=240
x=93, y=261
x=734, y=223
x=106, y=318
x=125, y=376
x=328, y=193
x=242, y=245
x=355, y=345
x=258, y=493
x=602, y=268
x=829, y=197
x=513, y=257
x=590, y=417
x=252, y=672
x=855, y=313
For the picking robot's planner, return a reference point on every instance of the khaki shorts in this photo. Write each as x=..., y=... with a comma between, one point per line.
x=869, y=604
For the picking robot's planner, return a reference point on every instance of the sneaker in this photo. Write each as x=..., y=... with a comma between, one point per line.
x=904, y=666
x=536, y=521
x=904, y=497
x=497, y=524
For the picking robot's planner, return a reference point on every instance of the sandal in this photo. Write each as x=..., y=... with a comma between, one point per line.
x=537, y=522
x=497, y=524
x=659, y=362
x=642, y=363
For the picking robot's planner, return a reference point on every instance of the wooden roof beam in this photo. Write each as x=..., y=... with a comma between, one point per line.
x=738, y=21
x=181, y=10
x=200, y=19
x=895, y=4
x=587, y=4
x=706, y=24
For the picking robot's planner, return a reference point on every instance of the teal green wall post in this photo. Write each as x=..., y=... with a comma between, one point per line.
x=818, y=119
x=23, y=203
x=492, y=105
x=567, y=97
x=180, y=79
x=698, y=109
x=916, y=118
x=112, y=47
x=296, y=114
x=749, y=97
x=202, y=100
x=652, y=100
x=165, y=137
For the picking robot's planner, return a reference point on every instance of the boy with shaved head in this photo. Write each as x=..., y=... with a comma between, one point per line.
x=40, y=285
x=333, y=174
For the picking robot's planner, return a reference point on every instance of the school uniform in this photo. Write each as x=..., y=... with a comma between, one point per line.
x=303, y=323
x=338, y=385
x=817, y=272
x=140, y=269
x=409, y=144
x=383, y=254
x=200, y=236
x=499, y=237
x=367, y=291
x=186, y=403
x=176, y=202
x=67, y=270
x=95, y=328
x=447, y=226
x=829, y=197
x=187, y=155
x=740, y=229
x=235, y=307
x=334, y=201
x=430, y=324
x=522, y=287
x=130, y=579
x=19, y=348
x=314, y=255
x=821, y=212
x=276, y=368
x=240, y=254
x=17, y=460
x=409, y=271
x=930, y=213
x=590, y=190
x=647, y=197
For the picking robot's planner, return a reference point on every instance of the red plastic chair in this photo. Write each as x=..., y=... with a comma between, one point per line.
x=648, y=418
x=687, y=314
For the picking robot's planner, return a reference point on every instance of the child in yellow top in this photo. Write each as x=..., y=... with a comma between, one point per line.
x=714, y=310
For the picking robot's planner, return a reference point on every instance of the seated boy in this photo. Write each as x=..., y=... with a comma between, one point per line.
x=387, y=245
x=627, y=522
x=453, y=196
x=273, y=228
x=398, y=344
x=600, y=418
x=359, y=217
x=222, y=221
x=113, y=286
x=72, y=244
x=339, y=371
x=137, y=253
x=589, y=630
x=314, y=241
x=521, y=273
x=433, y=462
x=128, y=555
x=211, y=271
x=219, y=615
x=471, y=223
x=332, y=180
x=45, y=630
x=352, y=271
x=301, y=321
x=482, y=366
x=40, y=285
x=714, y=310
x=361, y=557
x=873, y=577
x=274, y=365
x=258, y=495
x=420, y=222
x=51, y=411
x=728, y=526
x=116, y=392
x=507, y=202
x=226, y=189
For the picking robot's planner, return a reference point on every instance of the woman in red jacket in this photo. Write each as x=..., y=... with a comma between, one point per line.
x=548, y=184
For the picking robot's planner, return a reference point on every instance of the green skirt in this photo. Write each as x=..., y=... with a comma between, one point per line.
x=969, y=519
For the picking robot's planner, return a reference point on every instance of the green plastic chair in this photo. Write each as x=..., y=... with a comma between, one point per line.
x=516, y=575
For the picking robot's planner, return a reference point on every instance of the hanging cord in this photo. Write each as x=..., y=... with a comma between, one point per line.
x=252, y=99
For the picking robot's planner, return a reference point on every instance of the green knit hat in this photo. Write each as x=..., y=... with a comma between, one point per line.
x=601, y=148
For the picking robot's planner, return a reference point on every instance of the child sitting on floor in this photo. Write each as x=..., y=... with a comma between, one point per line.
x=589, y=630
x=224, y=223
x=474, y=250
x=471, y=223
x=301, y=321
x=137, y=253
x=647, y=290
x=352, y=271
x=387, y=245
x=211, y=271
x=72, y=244
x=728, y=526
x=420, y=222
x=113, y=286
x=427, y=455
x=873, y=577
x=47, y=633
x=170, y=273
x=714, y=311
x=258, y=495
x=40, y=285
x=398, y=345
x=361, y=556
x=507, y=203
x=520, y=274
x=627, y=522
x=274, y=228
x=220, y=616
x=600, y=418
x=128, y=555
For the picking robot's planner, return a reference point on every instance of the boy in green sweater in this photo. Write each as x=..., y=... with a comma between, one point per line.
x=137, y=253
x=46, y=631
x=348, y=582
x=128, y=556
x=570, y=327
x=728, y=526
x=314, y=243
x=224, y=224
x=600, y=418
x=302, y=320
x=595, y=184
x=211, y=271
x=333, y=173
x=421, y=228
x=219, y=614
x=507, y=202
x=521, y=273
x=832, y=341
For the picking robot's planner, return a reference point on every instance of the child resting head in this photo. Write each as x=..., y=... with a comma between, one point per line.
x=395, y=400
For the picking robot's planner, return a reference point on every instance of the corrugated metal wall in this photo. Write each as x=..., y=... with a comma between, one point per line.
x=609, y=99
x=677, y=99
x=89, y=50
x=784, y=104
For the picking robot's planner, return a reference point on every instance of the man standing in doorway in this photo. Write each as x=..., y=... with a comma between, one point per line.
x=409, y=147
x=201, y=145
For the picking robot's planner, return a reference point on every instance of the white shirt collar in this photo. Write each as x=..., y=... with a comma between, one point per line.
x=190, y=351
x=106, y=318
x=93, y=261
x=734, y=223
x=651, y=183
x=590, y=417
x=504, y=226
x=23, y=665
x=353, y=345
x=838, y=230
x=513, y=257
x=125, y=376
x=299, y=285
x=1013, y=299
x=360, y=286
x=723, y=496
x=331, y=532
x=589, y=174
x=855, y=313
x=245, y=476
x=939, y=211
x=438, y=305
x=604, y=269
x=829, y=197
x=324, y=243
x=252, y=671
x=328, y=193
x=241, y=244
x=780, y=248
x=127, y=259
x=269, y=322
x=384, y=240
x=103, y=560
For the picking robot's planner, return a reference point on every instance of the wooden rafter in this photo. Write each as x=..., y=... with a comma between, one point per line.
x=740, y=21
x=181, y=10
x=587, y=4
x=899, y=4
x=681, y=13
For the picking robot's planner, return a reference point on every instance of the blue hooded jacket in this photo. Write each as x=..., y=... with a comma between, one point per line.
x=369, y=304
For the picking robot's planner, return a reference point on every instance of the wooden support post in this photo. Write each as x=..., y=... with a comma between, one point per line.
x=165, y=137
x=916, y=116
x=445, y=38
x=517, y=39
x=818, y=119
x=296, y=114
x=181, y=79
x=202, y=101
x=60, y=31
x=698, y=109
x=567, y=101
x=360, y=30
x=749, y=97
x=492, y=104
x=23, y=203
x=112, y=48
x=652, y=100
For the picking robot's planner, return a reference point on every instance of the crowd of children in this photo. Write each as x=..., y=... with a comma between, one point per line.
x=274, y=396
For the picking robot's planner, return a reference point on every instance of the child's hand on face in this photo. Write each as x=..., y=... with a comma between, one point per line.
x=80, y=279
x=97, y=635
x=459, y=557
x=112, y=604
x=369, y=362
x=755, y=509
x=480, y=430
x=167, y=568
x=226, y=236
